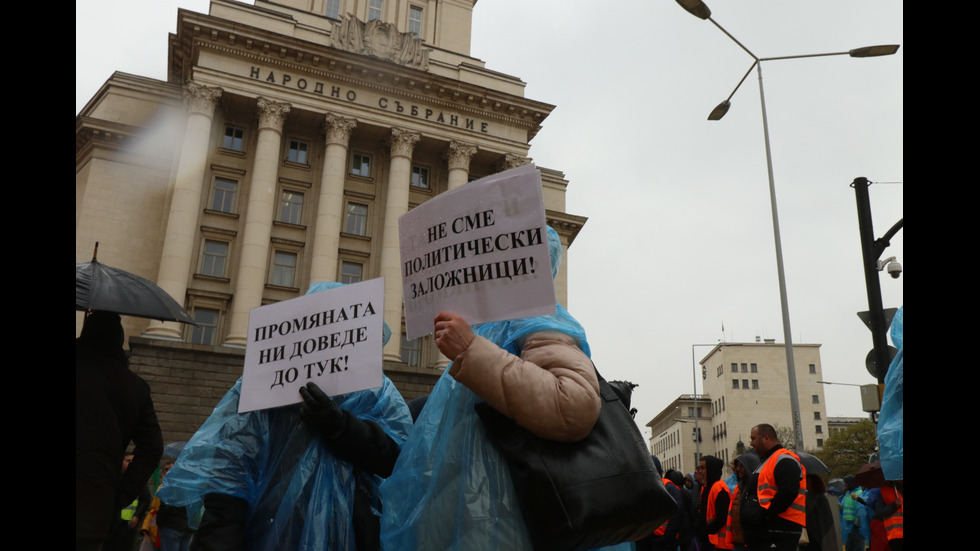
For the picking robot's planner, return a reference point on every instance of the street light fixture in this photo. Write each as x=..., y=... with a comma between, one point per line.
x=700, y=10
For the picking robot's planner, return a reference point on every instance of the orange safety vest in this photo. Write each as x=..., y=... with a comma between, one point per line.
x=796, y=512
x=894, y=524
x=662, y=529
x=720, y=538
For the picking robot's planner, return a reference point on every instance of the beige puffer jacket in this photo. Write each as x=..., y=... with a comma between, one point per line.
x=551, y=389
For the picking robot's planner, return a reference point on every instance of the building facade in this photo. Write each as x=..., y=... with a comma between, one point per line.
x=745, y=384
x=677, y=432
x=286, y=142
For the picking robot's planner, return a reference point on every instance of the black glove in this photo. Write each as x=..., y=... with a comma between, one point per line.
x=321, y=412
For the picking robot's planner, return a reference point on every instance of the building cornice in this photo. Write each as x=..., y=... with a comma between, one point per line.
x=198, y=32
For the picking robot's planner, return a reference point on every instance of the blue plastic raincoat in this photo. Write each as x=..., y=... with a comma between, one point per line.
x=451, y=489
x=891, y=421
x=300, y=495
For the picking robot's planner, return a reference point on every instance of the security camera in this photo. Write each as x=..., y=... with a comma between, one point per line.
x=894, y=269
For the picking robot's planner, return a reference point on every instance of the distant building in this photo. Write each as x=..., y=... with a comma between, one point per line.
x=745, y=384
x=837, y=424
x=287, y=140
x=676, y=431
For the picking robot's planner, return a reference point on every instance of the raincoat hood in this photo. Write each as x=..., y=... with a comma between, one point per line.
x=713, y=467
x=749, y=460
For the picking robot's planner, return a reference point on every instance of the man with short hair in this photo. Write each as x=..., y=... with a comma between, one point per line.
x=779, y=484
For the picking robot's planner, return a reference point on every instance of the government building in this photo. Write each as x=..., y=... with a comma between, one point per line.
x=745, y=384
x=286, y=142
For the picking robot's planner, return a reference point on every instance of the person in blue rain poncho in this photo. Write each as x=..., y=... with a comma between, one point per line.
x=891, y=419
x=298, y=477
x=451, y=489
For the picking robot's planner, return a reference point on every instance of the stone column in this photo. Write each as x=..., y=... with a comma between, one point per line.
x=330, y=208
x=459, y=162
x=253, y=261
x=458, y=154
x=510, y=161
x=402, y=143
x=185, y=205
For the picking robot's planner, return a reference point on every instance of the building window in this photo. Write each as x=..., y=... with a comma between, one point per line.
x=734, y=384
x=816, y=398
x=214, y=258
x=745, y=384
x=411, y=351
x=819, y=442
x=234, y=139
x=355, y=222
x=720, y=368
x=351, y=272
x=818, y=429
x=225, y=195
x=816, y=415
x=283, y=269
x=745, y=368
x=206, y=330
x=690, y=411
x=754, y=368
x=755, y=384
x=813, y=368
x=333, y=9
x=291, y=207
x=361, y=165
x=420, y=177
x=415, y=20
x=734, y=368
x=374, y=9
x=297, y=152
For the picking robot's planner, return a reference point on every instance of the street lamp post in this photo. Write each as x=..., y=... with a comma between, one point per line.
x=700, y=10
x=871, y=250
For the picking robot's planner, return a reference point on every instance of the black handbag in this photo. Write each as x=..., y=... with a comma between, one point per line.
x=600, y=491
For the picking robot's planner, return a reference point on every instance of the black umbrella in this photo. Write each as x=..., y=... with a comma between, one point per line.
x=101, y=287
x=812, y=464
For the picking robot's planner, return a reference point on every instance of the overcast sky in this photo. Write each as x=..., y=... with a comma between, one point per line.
x=679, y=240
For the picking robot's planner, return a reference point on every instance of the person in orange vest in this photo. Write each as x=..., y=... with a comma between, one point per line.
x=890, y=508
x=774, y=513
x=712, y=522
x=665, y=537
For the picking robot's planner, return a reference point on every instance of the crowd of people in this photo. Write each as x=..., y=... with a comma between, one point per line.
x=363, y=471
x=773, y=504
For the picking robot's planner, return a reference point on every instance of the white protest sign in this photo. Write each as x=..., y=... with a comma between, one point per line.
x=332, y=338
x=479, y=251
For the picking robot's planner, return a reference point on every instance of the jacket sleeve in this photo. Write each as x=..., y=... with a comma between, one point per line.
x=551, y=389
x=148, y=440
x=674, y=525
x=788, y=475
